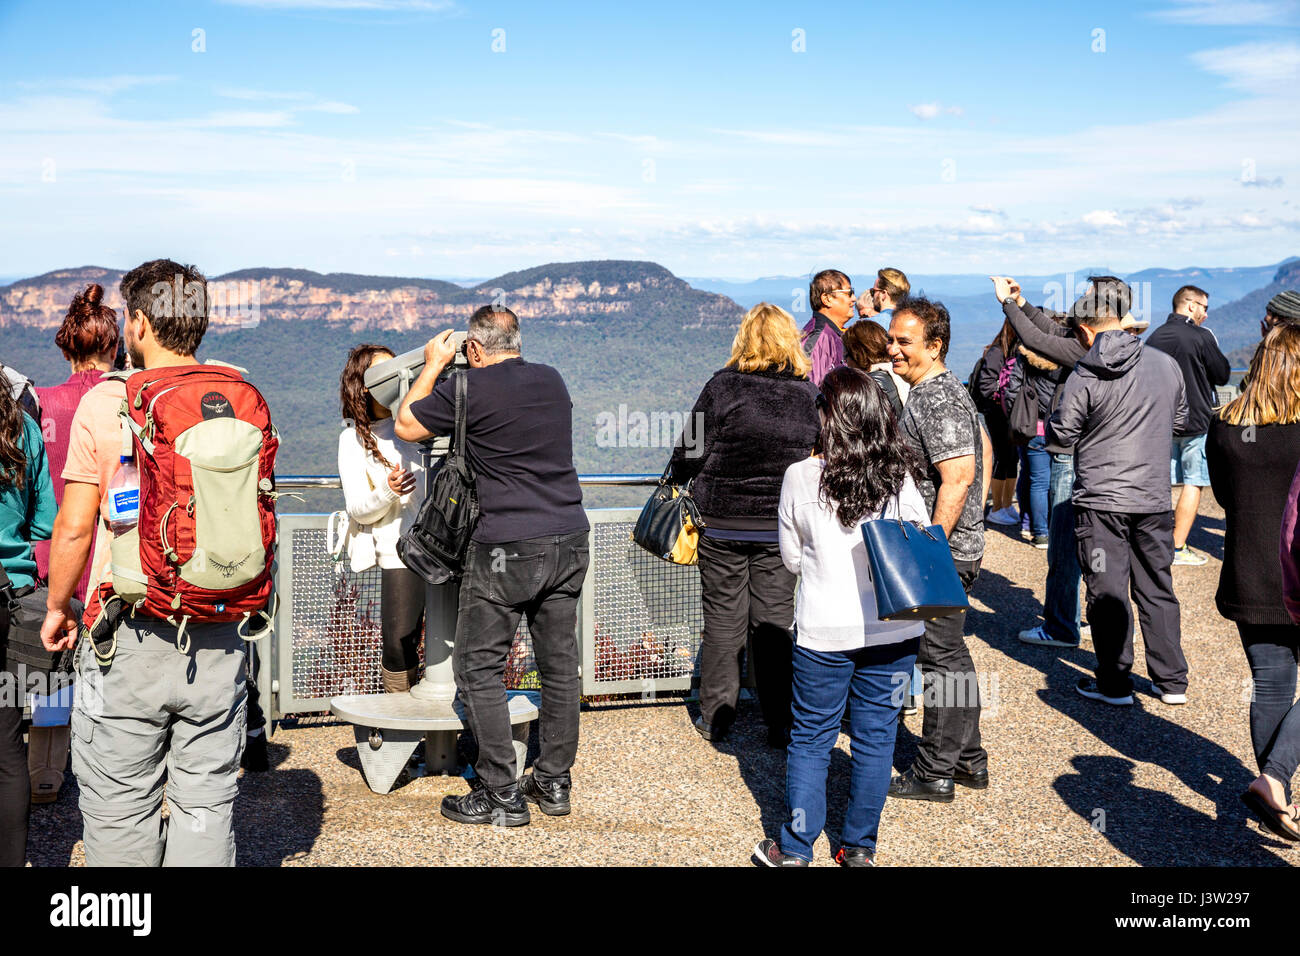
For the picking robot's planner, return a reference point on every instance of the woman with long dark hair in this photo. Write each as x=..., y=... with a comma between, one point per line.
x=26, y=514
x=382, y=479
x=991, y=384
x=843, y=653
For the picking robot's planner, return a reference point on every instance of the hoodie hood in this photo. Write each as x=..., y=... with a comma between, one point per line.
x=1112, y=354
x=1036, y=360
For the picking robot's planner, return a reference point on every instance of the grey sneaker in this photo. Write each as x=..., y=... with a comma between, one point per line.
x=1186, y=555
x=1088, y=688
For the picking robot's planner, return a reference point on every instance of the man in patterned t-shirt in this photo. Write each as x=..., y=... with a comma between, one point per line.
x=941, y=422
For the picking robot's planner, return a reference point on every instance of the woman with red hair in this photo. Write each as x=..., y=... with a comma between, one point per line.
x=89, y=340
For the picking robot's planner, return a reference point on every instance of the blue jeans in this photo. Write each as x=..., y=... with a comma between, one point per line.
x=824, y=681
x=1061, y=607
x=1036, y=468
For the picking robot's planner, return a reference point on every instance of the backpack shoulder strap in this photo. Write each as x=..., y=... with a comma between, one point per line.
x=462, y=401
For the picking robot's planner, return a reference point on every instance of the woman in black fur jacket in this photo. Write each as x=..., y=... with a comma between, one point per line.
x=754, y=418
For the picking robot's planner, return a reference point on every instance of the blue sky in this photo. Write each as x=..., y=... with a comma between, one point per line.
x=444, y=138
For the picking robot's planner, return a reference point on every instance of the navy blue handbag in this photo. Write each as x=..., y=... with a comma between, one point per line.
x=912, y=571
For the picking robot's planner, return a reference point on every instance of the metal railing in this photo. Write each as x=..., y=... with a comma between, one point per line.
x=639, y=618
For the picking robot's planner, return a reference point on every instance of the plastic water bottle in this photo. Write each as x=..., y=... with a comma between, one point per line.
x=124, y=497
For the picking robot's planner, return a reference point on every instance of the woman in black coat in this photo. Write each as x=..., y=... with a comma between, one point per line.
x=754, y=418
x=1252, y=449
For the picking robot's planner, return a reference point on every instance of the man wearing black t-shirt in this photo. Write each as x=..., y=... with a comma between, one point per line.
x=528, y=556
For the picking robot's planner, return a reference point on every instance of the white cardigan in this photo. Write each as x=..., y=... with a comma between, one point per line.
x=835, y=608
x=375, y=516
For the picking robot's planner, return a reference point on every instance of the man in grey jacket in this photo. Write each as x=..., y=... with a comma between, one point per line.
x=1118, y=409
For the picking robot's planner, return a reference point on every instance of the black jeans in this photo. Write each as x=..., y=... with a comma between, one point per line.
x=1122, y=553
x=1273, y=651
x=401, y=600
x=540, y=578
x=746, y=593
x=950, y=723
x=15, y=784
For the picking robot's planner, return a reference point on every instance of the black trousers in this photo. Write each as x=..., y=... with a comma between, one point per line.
x=1273, y=651
x=401, y=617
x=15, y=784
x=540, y=578
x=950, y=722
x=746, y=594
x=1121, y=554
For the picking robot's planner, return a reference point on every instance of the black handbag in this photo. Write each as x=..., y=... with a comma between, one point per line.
x=912, y=571
x=20, y=640
x=669, y=524
x=434, y=546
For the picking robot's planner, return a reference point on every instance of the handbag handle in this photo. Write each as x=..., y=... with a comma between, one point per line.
x=898, y=516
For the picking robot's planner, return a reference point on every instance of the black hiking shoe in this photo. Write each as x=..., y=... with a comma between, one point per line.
x=551, y=798
x=854, y=856
x=503, y=807
x=768, y=852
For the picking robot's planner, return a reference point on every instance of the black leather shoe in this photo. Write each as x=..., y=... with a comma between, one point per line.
x=854, y=856
x=976, y=781
x=906, y=787
x=551, y=798
x=504, y=807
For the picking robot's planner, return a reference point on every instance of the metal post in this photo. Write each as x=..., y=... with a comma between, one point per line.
x=441, y=607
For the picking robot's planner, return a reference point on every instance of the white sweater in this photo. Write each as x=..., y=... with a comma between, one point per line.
x=376, y=516
x=835, y=608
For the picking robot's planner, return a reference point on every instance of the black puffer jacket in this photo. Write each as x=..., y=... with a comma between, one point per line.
x=747, y=429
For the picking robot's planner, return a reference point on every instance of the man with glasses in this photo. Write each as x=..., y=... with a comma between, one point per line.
x=1184, y=338
x=830, y=294
x=878, y=302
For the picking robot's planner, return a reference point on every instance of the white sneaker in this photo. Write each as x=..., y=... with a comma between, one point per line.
x=1038, y=635
x=1088, y=688
x=1186, y=555
x=1085, y=630
x=1173, y=699
x=1004, y=516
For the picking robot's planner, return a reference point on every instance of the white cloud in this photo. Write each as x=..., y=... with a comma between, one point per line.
x=101, y=85
x=1260, y=68
x=1102, y=218
x=294, y=100
x=1220, y=13
x=929, y=111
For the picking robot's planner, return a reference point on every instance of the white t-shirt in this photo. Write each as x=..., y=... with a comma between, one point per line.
x=378, y=516
x=835, y=607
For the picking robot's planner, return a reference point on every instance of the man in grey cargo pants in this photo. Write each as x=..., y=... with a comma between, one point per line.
x=156, y=714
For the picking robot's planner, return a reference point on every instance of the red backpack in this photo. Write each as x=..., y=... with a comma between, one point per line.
x=205, y=448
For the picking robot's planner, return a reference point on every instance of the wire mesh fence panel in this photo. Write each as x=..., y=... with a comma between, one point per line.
x=335, y=635
x=646, y=613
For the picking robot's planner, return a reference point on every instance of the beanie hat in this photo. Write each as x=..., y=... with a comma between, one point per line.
x=1285, y=305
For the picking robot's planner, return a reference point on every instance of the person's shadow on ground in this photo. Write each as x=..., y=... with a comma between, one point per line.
x=278, y=813
x=1137, y=732
x=1149, y=826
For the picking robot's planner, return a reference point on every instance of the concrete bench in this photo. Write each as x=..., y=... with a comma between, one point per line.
x=388, y=727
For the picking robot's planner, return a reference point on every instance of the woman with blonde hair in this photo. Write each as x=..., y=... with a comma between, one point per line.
x=1253, y=449
x=754, y=418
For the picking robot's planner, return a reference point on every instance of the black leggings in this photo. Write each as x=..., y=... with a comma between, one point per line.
x=1273, y=650
x=15, y=784
x=401, y=617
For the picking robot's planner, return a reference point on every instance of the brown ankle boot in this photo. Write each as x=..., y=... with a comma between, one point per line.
x=395, y=682
x=47, y=756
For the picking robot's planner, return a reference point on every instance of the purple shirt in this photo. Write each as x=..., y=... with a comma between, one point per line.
x=828, y=349
x=58, y=405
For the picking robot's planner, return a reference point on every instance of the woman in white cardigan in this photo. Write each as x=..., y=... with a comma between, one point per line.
x=844, y=654
x=383, y=485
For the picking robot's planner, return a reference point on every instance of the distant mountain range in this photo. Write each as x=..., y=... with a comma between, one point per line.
x=570, y=293
x=628, y=336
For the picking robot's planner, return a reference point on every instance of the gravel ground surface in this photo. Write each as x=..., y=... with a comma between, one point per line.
x=1073, y=782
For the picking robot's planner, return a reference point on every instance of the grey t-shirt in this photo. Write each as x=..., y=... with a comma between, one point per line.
x=940, y=420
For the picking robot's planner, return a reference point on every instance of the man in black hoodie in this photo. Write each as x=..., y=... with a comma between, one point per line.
x=1118, y=409
x=1185, y=339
